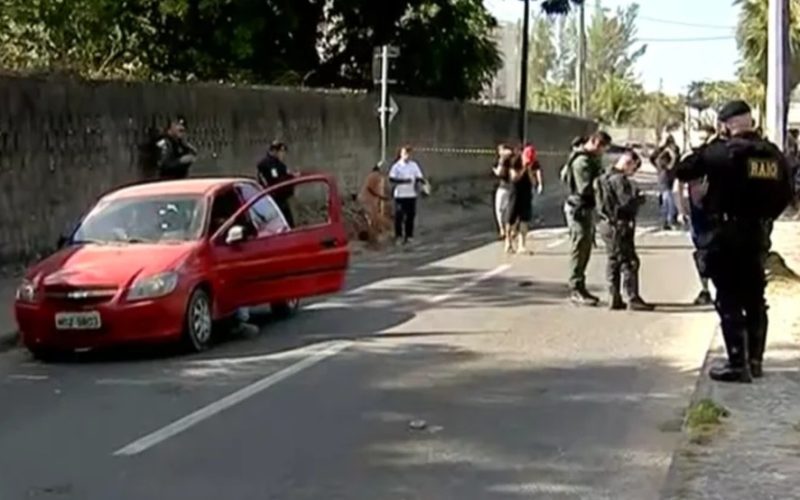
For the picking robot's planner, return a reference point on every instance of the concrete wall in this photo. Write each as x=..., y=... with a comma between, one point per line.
x=65, y=142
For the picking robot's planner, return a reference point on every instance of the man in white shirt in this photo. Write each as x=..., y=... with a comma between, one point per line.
x=405, y=176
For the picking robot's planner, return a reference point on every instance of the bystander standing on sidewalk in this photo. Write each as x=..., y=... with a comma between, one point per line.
x=503, y=192
x=664, y=159
x=406, y=177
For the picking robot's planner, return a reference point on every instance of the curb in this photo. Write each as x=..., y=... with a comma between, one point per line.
x=703, y=389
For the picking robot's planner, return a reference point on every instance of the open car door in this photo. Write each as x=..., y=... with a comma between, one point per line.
x=267, y=261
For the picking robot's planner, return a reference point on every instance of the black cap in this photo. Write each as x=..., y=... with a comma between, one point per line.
x=733, y=108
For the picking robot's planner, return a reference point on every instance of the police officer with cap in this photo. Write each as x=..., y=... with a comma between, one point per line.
x=748, y=186
x=175, y=154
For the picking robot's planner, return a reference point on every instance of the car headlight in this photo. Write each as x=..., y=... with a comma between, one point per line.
x=154, y=286
x=26, y=292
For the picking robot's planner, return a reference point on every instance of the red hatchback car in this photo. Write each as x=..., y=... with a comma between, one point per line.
x=165, y=261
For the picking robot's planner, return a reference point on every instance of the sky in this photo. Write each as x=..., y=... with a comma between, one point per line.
x=674, y=63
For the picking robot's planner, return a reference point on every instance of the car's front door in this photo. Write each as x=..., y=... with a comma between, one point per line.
x=285, y=262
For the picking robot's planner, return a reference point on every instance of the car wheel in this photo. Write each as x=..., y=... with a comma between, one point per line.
x=198, y=324
x=46, y=355
x=286, y=308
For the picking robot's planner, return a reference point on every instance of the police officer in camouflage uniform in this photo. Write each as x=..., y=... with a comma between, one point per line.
x=583, y=167
x=175, y=154
x=618, y=202
x=748, y=185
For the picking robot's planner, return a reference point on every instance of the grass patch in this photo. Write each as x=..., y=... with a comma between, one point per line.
x=703, y=419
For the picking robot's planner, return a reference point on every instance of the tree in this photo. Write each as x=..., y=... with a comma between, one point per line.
x=615, y=99
x=611, y=47
x=447, y=46
x=751, y=37
x=542, y=62
x=560, y=7
x=97, y=38
x=659, y=111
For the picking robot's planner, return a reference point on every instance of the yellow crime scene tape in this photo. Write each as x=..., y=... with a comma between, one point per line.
x=481, y=151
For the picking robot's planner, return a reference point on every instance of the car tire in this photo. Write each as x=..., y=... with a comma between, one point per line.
x=198, y=324
x=285, y=309
x=46, y=355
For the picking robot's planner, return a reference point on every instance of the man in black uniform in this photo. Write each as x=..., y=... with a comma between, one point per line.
x=271, y=171
x=748, y=184
x=618, y=202
x=175, y=154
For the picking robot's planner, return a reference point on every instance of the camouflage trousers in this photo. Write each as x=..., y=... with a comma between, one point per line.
x=623, y=262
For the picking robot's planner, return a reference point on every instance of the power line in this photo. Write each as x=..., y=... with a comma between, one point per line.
x=682, y=23
x=697, y=39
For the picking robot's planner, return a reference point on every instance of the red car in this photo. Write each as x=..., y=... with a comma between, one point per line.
x=166, y=261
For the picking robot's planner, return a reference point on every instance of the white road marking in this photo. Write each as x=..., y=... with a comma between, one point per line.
x=460, y=288
x=181, y=425
x=557, y=242
x=145, y=443
x=28, y=377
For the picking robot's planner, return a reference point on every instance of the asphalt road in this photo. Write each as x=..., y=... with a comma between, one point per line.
x=519, y=394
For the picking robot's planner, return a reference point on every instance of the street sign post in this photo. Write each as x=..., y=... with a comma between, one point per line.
x=387, y=109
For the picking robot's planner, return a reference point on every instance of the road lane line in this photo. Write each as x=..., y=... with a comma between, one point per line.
x=28, y=377
x=149, y=441
x=460, y=288
x=185, y=423
x=557, y=242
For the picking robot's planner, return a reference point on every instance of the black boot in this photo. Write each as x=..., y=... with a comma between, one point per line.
x=730, y=373
x=757, y=323
x=615, y=302
x=638, y=304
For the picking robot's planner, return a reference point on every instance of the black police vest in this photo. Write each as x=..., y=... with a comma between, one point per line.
x=757, y=184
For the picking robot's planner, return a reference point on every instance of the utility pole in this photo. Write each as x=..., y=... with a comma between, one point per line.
x=580, y=64
x=523, y=85
x=777, y=29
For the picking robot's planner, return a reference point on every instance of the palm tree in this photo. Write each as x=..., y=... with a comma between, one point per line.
x=751, y=37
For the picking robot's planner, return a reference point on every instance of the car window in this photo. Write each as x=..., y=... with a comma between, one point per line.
x=150, y=219
x=264, y=214
x=226, y=203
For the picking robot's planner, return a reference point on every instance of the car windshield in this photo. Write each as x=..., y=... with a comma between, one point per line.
x=152, y=219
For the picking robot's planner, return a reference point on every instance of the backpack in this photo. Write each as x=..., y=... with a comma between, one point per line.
x=604, y=198
x=567, y=175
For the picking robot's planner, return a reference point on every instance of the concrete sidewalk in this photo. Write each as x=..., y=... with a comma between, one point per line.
x=755, y=452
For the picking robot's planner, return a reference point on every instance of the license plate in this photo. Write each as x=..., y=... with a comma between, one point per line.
x=78, y=321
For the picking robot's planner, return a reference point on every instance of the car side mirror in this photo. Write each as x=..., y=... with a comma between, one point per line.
x=235, y=235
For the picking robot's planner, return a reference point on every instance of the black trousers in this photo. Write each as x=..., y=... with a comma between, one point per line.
x=286, y=209
x=405, y=212
x=623, y=261
x=736, y=268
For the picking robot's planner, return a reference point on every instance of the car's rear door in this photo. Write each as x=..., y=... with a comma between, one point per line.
x=285, y=263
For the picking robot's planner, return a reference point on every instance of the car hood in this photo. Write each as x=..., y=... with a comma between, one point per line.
x=104, y=265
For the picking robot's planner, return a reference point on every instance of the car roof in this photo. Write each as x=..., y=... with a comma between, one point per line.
x=198, y=186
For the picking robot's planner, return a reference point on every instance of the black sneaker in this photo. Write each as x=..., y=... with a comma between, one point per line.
x=583, y=298
x=704, y=299
x=756, y=369
x=638, y=304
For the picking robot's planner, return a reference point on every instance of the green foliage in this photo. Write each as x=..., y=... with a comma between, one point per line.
x=614, y=95
x=751, y=37
x=447, y=46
